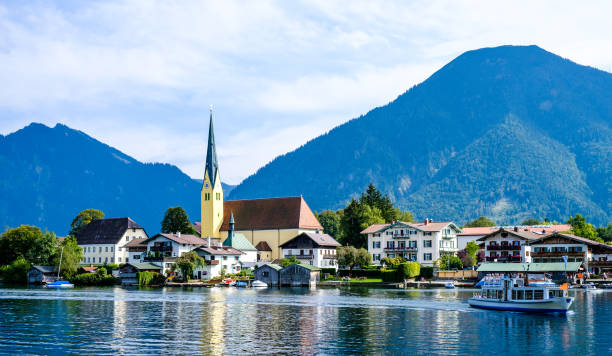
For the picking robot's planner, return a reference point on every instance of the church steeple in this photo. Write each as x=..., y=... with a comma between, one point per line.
x=212, y=165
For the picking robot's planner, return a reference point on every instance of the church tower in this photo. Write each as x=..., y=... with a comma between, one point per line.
x=212, y=192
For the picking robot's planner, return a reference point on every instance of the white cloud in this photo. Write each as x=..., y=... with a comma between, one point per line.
x=140, y=75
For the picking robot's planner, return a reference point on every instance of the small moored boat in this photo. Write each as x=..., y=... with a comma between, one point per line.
x=522, y=295
x=60, y=285
x=241, y=284
x=259, y=284
x=449, y=285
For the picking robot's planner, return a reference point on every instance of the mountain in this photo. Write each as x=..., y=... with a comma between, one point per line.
x=48, y=175
x=509, y=132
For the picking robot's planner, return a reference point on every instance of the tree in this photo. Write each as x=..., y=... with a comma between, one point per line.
x=176, y=220
x=16, y=272
x=531, y=222
x=43, y=249
x=288, y=261
x=188, y=262
x=330, y=221
x=581, y=228
x=468, y=254
x=449, y=262
x=404, y=216
x=363, y=258
x=482, y=221
x=84, y=218
x=18, y=242
x=70, y=255
x=373, y=198
x=393, y=262
x=605, y=233
x=355, y=219
x=346, y=256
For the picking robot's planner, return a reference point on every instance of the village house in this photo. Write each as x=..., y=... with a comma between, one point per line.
x=264, y=252
x=270, y=220
x=239, y=242
x=474, y=233
x=506, y=245
x=422, y=242
x=268, y=273
x=102, y=240
x=298, y=275
x=137, y=250
x=316, y=249
x=217, y=258
x=165, y=249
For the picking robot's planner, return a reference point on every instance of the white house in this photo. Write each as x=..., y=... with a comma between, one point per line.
x=423, y=242
x=164, y=249
x=313, y=248
x=137, y=250
x=102, y=240
x=240, y=243
x=217, y=258
x=474, y=233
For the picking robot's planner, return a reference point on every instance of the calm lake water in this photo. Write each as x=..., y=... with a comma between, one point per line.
x=290, y=321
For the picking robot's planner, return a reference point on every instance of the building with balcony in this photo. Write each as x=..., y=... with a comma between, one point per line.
x=102, y=240
x=474, y=233
x=217, y=258
x=506, y=245
x=315, y=249
x=423, y=242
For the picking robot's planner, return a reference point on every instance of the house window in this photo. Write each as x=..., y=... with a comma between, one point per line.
x=427, y=257
x=106, y=249
x=112, y=248
x=88, y=259
x=105, y=259
x=236, y=258
x=224, y=258
x=119, y=259
x=127, y=239
x=112, y=259
x=99, y=249
x=127, y=260
x=426, y=243
x=265, y=274
x=136, y=257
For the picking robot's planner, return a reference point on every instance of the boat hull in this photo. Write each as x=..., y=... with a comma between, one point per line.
x=555, y=305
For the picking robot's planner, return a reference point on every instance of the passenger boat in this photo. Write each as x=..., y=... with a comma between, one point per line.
x=538, y=295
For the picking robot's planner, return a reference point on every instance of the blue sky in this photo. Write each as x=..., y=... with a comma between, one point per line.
x=140, y=75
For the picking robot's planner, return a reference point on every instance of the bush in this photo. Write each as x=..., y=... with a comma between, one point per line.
x=16, y=272
x=150, y=278
x=331, y=271
x=367, y=273
x=408, y=270
x=427, y=272
x=95, y=279
x=390, y=276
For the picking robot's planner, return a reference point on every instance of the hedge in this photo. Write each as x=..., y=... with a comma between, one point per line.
x=367, y=273
x=427, y=272
x=390, y=276
x=94, y=279
x=331, y=271
x=408, y=270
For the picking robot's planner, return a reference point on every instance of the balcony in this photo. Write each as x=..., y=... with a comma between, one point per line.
x=161, y=248
x=158, y=259
x=401, y=236
x=504, y=258
x=299, y=257
x=600, y=263
x=400, y=249
x=557, y=253
x=504, y=247
x=330, y=257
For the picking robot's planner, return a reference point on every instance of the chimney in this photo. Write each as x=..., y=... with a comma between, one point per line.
x=178, y=234
x=208, y=242
x=516, y=229
x=426, y=221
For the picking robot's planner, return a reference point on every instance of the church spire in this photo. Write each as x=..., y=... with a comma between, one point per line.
x=212, y=165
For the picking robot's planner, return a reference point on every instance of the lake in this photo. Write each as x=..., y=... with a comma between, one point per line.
x=290, y=321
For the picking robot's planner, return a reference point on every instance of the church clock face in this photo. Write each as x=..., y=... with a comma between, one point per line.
x=206, y=185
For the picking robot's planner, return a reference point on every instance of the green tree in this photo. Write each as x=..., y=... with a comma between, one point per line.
x=347, y=256
x=288, y=261
x=176, y=220
x=482, y=221
x=581, y=228
x=84, y=218
x=363, y=258
x=330, y=220
x=471, y=248
x=374, y=198
x=449, y=262
x=16, y=271
x=43, y=249
x=18, y=242
x=532, y=221
x=404, y=216
x=188, y=262
x=356, y=218
x=605, y=232
x=70, y=255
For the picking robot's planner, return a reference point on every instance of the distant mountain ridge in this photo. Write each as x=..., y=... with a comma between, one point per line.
x=48, y=175
x=510, y=132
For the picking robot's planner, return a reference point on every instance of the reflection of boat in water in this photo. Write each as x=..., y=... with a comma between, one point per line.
x=227, y=283
x=606, y=286
x=518, y=294
x=241, y=284
x=259, y=284
x=59, y=285
x=449, y=285
x=589, y=287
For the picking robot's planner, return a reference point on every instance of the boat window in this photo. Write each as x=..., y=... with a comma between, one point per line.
x=499, y=294
x=538, y=294
x=513, y=294
x=528, y=294
x=520, y=294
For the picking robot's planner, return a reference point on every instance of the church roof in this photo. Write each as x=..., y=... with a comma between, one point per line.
x=270, y=213
x=212, y=165
x=239, y=242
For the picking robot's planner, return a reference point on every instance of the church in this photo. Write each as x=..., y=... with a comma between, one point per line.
x=267, y=223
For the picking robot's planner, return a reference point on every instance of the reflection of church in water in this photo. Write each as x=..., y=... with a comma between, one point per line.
x=266, y=223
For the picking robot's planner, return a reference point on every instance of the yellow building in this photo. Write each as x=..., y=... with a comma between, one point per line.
x=270, y=220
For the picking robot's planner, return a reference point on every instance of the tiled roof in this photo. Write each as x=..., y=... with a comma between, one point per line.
x=270, y=213
x=572, y=237
x=310, y=267
x=140, y=242
x=219, y=250
x=263, y=246
x=239, y=242
x=198, y=226
x=374, y=228
x=143, y=265
x=535, y=229
x=428, y=227
x=183, y=239
x=525, y=235
x=90, y=268
x=323, y=240
x=105, y=231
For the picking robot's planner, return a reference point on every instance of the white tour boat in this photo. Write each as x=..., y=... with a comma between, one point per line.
x=533, y=295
